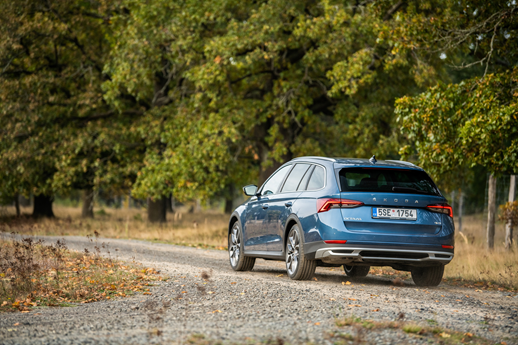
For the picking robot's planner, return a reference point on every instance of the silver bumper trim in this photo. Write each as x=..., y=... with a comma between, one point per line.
x=332, y=255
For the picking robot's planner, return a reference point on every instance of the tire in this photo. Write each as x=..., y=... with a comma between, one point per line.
x=297, y=266
x=427, y=276
x=238, y=261
x=356, y=271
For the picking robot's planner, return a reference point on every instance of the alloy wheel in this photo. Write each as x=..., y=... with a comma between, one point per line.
x=235, y=244
x=292, y=253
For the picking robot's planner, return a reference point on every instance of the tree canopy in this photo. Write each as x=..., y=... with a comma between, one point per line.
x=57, y=132
x=475, y=121
x=188, y=97
x=234, y=87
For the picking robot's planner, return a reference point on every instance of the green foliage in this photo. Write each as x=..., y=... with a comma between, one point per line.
x=56, y=130
x=474, y=122
x=187, y=97
x=236, y=87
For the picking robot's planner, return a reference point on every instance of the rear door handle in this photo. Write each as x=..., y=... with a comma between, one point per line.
x=288, y=204
x=265, y=206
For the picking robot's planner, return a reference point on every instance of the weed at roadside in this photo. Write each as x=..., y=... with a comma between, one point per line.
x=33, y=275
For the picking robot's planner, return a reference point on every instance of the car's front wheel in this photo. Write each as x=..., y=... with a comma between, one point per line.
x=356, y=271
x=298, y=267
x=427, y=276
x=238, y=261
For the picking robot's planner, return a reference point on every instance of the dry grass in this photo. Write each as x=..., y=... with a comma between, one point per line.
x=433, y=334
x=473, y=264
x=207, y=229
x=33, y=274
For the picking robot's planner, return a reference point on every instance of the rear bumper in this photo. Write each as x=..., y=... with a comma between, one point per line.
x=378, y=255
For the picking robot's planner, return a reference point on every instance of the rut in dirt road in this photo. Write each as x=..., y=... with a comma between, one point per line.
x=205, y=296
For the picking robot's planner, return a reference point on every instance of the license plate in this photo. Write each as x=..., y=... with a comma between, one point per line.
x=394, y=213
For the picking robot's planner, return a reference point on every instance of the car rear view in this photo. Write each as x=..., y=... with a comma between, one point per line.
x=393, y=215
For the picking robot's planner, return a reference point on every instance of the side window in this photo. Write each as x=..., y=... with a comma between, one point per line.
x=294, y=178
x=304, y=182
x=272, y=185
x=317, y=179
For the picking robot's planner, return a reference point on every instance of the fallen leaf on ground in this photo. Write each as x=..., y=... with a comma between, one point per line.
x=16, y=324
x=444, y=335
x=280, y=275
x=233, y=283
x=346, y=283
x=216, y=311
x=352, y=299
x=317, y=323
x=210, y=292
x=377, y=309
x=332, y=299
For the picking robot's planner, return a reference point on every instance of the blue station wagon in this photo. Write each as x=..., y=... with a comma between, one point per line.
x=355, y=213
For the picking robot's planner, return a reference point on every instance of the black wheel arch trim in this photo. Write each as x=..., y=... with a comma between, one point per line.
x=231, y=222
x=292, y=218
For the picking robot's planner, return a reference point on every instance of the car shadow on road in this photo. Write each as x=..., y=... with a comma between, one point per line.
x=336, y=278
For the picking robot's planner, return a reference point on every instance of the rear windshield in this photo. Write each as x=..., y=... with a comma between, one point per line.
x=386, y=180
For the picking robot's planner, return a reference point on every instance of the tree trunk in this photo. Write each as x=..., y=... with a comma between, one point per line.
x=17, y=204
x=197, y=206
x=509, y=226
x=452, y=196
x=156, y=210
x=43, y=206
x=461, y=205
x=491, y=212
x=169, y=204
x=23, y=201
x=88, y=203
x=229, y=199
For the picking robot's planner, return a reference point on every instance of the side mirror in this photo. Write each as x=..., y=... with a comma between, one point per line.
x=250, y=190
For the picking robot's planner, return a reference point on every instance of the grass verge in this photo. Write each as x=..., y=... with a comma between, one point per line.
x=473, y=265
x=37, y=275
x=433, y=333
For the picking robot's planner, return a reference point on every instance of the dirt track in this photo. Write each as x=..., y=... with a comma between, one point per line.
x=260, y=305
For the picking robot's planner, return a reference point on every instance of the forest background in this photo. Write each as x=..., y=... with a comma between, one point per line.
x=188, y=101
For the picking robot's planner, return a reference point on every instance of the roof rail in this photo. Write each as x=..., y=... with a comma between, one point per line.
x=401, y=162
x=316, y=157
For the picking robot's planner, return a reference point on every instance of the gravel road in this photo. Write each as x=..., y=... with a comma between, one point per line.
x=261, y=305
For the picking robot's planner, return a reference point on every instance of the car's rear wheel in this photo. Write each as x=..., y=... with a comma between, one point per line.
x=298, y=267
x=238, y=261
x=427, y=276
x=356, y=271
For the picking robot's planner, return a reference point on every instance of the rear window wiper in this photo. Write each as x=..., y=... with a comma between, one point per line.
x=408, y=189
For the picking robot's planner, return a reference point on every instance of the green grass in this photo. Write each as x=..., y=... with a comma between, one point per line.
x=412, y=328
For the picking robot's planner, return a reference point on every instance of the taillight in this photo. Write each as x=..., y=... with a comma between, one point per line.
x=324, y=204
x=447, y=246
x=441, y=208
x=336, y=241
